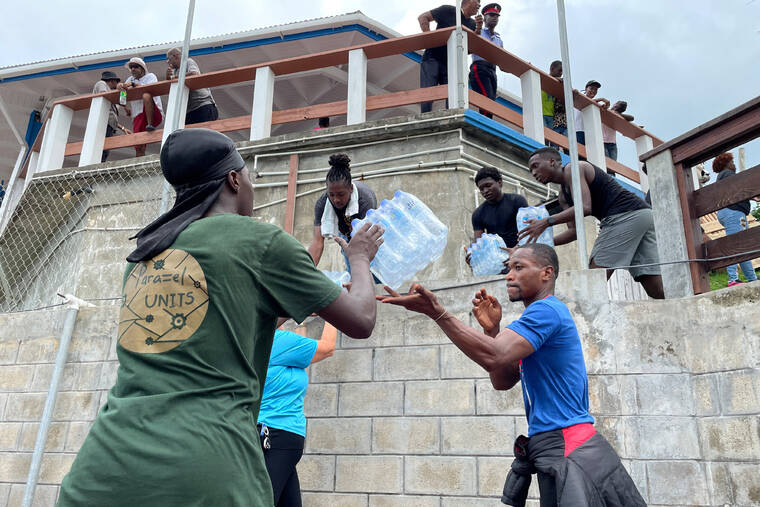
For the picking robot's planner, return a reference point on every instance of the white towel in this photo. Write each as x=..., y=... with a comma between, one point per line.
x=329, y=225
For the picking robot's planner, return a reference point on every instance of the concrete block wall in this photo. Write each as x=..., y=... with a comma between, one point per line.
x=403, y=418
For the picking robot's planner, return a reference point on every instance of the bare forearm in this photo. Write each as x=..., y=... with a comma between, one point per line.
x=565, y=237
x=362, y=293
x=478, y=346
x=315, y=249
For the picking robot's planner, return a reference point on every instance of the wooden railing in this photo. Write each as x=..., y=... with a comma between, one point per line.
x=49, y=154
x=678, y=157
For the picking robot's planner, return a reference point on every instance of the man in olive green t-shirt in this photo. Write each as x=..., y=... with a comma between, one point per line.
x=199, y=309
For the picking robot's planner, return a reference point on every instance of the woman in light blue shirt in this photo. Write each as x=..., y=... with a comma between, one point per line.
x=282, y=423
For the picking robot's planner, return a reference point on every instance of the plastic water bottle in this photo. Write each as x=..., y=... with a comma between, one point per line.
x=123, y=97
x=534, y=213
x=338, y=277
x=487, y=256
x=413, y=238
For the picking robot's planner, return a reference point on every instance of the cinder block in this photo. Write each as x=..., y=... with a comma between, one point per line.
x=604, y=394
x=388, y=332
x=719, y=345
x=44, y=495
x=730, y=438
x=662, y=438
x=613, y=429
x=344, y=366
x=316, y=473
x=369, y=474
x=440, y=397
x=56, y=436
x=439, y=475
x=421, y=330
x=719, y=482
x=38, y=350
x=75, y=437
x=458, y=501
x=371, y=398
x=14, y=466
x=9, y=436
x=87, y=347
x=9, y=350
x=493, y=402
x=54, y=467
x=107, y=375
x=407, y=435
x=407, y=363
x=338, y=436
x=24, y=407
x=706, y=397
x=745, y=484
x=677, y=483
x=403, y=501
x=638, y=472
x=321, y=400
x=655, y=346
x=455, y=364
x=16, y=377
x=492, y=472
x=740, y=392
x=489, y=435
x=76, y=406
x=334, y=500
x=665, y=395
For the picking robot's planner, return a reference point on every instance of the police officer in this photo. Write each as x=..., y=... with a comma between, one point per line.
x=483, y=73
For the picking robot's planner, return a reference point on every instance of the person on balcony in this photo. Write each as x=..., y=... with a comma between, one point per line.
x=549, y=102
x=626, y=235
x=542, y=351
x=498, y=213
x=200, y=104
x=147, y=112
x=108, y=82
x=733, y=218
x=282, y=422
x=592, y=87
x=434, y=68
x=482, y=72
x=609, y=134
x=343, y=201
x=202, y=296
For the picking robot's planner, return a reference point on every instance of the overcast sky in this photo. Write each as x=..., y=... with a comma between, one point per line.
x=678, y=63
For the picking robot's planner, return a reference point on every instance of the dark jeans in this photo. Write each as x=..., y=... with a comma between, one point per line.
x=209, y=112
x=110, y=131
x=432, y=73
x=610, y=150
x=281, y=460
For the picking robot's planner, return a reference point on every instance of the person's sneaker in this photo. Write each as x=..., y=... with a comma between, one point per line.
x=734, y=282
x=150, y=128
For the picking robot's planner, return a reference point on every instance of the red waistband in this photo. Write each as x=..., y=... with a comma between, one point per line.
x=577, y=435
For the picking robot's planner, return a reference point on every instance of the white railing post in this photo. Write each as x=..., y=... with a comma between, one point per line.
x=10, y=192
x=357, y=87
x=31, y=167
x=533, y=119
x=56, y=136
x=176, y=100
x=643, y=145
x=592, y=126
x=95, y=132
x=263, y=97
x=456, y=58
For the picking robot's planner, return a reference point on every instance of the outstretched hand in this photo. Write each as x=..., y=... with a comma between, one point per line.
x=534, y=229
x=487, y=310
x=364, y=242
x=419, y=300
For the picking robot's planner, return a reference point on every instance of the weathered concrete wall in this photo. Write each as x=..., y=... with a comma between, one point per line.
x=404, y=418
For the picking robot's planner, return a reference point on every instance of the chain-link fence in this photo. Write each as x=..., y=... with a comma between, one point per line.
x=65, y=230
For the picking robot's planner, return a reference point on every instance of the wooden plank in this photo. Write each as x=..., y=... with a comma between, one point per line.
x=290, y=202
x=694, y=250
x=309, y=112
x=722, y=137
x=495, y=108
x=705, y=127
x=735, y=244
x=739, y=187
x=406, y=97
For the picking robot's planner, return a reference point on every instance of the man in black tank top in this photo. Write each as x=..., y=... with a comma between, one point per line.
x=626, y=233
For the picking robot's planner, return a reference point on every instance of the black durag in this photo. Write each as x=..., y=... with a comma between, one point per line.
x=196, y=163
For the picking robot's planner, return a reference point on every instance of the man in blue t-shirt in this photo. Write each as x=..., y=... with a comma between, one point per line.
x=575, y=465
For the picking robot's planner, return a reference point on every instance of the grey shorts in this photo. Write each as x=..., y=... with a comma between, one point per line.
x=627, y=239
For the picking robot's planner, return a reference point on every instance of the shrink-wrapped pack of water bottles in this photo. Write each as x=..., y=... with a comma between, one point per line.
x=413, y=238
x=488, y=255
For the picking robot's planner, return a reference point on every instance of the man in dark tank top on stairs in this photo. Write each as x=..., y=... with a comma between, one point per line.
x=626, y=233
